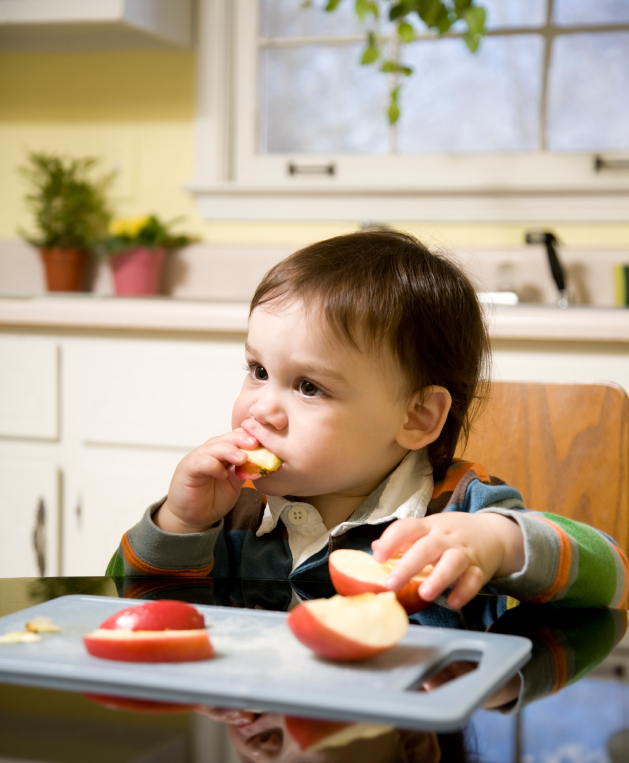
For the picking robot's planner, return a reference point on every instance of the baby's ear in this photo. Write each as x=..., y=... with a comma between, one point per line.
x=425, y=418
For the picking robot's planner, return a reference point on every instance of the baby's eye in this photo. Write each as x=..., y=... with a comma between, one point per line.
x=308, y=389
x=260, y=373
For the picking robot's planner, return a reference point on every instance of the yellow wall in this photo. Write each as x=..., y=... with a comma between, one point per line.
x=136, y=109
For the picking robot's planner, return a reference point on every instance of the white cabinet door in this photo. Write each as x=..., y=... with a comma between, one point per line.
x=105, y=497
x=29, y=515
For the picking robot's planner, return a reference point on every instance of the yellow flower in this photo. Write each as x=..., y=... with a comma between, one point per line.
x=128, y=226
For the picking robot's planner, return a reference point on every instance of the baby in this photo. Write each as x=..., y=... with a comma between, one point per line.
x=365, y=354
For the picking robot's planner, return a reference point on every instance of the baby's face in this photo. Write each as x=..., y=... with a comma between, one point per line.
x=331, y=413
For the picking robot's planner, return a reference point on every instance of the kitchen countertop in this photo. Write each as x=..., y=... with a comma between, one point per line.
x=163, y=314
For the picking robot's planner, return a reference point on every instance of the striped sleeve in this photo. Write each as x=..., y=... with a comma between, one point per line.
x=146, y=550
x=565, y=561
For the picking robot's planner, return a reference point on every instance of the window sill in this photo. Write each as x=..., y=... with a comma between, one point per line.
x=312, y=202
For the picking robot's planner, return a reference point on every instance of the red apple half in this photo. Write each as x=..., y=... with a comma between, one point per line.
x=149, y=646
x=349, y=628
x=353, y=572
x=156, y=616
x=312, y=734
x=260, y=462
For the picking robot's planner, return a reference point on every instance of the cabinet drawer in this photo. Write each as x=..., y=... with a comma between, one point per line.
x=29, y=380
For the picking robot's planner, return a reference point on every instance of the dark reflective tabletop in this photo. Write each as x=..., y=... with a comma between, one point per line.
x=568, y=704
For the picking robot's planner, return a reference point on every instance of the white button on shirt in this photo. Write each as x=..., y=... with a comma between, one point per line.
x=297, y=515
x=405, y=493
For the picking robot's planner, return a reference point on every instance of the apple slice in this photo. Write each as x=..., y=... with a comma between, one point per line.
x=349, y=628
x=260, y=462
x=158, y=631
x=312, y=734
x=353, y=572
x=133, y=705
x=161, y=615
x=149, y=646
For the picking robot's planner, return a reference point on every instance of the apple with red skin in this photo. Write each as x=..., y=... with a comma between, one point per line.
x=353, y=572
x=158, y=631
x=165, y=614
x=312, y=734
x=134, y=705
x=349, y=627
x=259, y=463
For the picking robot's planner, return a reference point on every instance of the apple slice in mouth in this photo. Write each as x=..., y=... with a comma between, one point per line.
x=260, y=462
x=353, y=572
x=149, y=646
x=349, y=628
x=312, y=734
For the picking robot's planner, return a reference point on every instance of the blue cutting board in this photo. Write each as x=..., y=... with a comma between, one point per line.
x=260, y=664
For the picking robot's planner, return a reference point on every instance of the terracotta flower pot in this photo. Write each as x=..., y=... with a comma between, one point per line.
x=138, y=271
x=65, y=268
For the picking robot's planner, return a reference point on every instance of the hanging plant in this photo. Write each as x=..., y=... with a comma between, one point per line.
x=437, y=15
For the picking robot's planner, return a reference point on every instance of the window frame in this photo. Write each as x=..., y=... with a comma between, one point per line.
x=233, y=182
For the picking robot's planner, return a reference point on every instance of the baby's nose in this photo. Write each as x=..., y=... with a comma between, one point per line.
x=268, y=410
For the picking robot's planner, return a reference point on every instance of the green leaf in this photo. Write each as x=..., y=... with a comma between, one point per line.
x=402, y=9
x=406, y=32
x=370, y=54
x=391, y=67
x=475, y=19
x=332, y=5
x=472, y=41
x=393, y=113
x=460, y=6
x=361, y=9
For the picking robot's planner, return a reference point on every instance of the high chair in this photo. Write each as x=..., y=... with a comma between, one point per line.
x=565, y=447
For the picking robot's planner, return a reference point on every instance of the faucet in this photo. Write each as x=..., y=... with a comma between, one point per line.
x=550, y=240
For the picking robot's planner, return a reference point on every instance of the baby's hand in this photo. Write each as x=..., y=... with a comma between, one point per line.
x=467, y=551
x=204, y=486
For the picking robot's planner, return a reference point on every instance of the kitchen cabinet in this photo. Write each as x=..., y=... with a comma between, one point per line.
x=95, y=24
x=93, y=426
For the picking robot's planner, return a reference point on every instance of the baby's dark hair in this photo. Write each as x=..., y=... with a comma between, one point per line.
x=385, y=288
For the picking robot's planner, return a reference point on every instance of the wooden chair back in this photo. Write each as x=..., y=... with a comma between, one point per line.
x=565, y=447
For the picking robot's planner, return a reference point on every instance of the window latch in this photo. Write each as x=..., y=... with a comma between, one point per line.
x=600, y=164
x=311, y=169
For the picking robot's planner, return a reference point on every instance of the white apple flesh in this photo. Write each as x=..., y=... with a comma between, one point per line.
x=349, y=627
x=353, y=572
x=260, y=462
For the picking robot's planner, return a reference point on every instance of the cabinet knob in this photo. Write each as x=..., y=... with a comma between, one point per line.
x=39, y=537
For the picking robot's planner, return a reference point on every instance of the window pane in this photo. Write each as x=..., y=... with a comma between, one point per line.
x=514, y=13
x=569, y=12
x=318, y=99
x=463, y=103
x=286, y=18
x=588, y=107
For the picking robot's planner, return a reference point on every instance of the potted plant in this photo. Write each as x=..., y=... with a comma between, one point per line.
x=70, y=213
x=138, y=247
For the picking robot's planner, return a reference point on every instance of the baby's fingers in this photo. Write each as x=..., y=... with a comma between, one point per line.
x=450, y=567
x=470, y=583
x=214, y=460
x=397, y=538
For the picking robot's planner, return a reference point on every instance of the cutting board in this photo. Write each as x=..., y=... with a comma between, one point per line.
x=259, y=664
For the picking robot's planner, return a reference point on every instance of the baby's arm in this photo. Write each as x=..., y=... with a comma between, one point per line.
x=467, y=551
x=204, y=487
x=176, y=536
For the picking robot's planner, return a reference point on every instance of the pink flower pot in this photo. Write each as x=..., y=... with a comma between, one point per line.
x=138, y=271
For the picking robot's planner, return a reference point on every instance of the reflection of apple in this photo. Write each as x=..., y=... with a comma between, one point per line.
x=158, y=631
x=312, y=734
x=349, y=628
x=133, y=705
x=354, y=572
x=156, y=616
x=260, y=462
x=149, y=646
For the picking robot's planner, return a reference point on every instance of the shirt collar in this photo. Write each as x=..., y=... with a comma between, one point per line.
x=404, y=493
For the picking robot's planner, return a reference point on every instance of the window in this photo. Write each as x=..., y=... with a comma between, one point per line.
x=535, y=125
